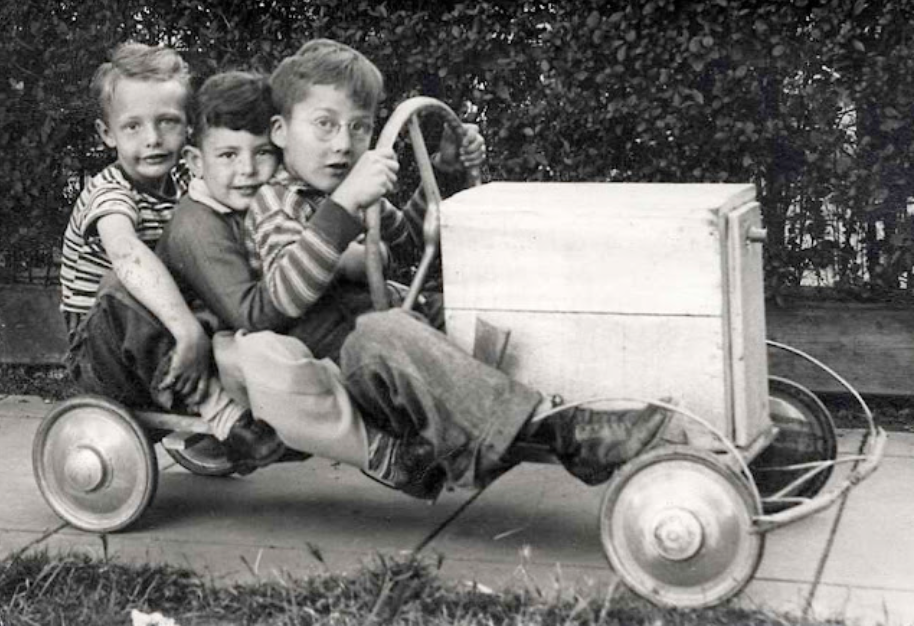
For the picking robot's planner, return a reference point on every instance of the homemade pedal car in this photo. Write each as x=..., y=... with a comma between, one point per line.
x=601, y=293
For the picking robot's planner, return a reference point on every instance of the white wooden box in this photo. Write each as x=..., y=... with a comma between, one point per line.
x=617, y=289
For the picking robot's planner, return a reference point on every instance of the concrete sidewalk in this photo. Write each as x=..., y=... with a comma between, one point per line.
x=535, y=528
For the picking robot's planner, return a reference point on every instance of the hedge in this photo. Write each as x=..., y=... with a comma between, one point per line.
x=809, y=100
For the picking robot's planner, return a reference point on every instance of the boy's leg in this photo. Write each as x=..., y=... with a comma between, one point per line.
x=301, y=397
x=326, y=325
x=96, y=358
x=122, y=351
x=305, y=401
x=408, y=378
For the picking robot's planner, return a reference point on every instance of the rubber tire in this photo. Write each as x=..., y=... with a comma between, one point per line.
x=813, y=440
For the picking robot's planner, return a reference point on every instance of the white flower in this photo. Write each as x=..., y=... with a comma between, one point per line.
x=154, y=619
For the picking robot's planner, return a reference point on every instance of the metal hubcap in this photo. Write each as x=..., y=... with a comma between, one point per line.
x=677, y=534
x=94, y=464
x=85, y=469
x=676, y=526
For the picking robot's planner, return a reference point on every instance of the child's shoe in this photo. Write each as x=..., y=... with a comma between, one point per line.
x=407, y=465
x=253, y=442
x=593, y=444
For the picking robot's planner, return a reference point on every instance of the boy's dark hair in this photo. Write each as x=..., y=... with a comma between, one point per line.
x=235, y=100
x=326, y=62
x=140, y=62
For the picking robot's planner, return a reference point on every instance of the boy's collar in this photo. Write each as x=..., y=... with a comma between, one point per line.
x=198, y=191
x=170, y=190
x=296, y=185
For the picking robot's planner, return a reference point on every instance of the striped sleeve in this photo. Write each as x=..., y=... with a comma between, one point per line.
x=402, y=229
x=394, y=227
x=298, y=258
x=110, y=200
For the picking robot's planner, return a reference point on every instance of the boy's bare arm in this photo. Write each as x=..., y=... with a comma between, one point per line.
x=147, y=279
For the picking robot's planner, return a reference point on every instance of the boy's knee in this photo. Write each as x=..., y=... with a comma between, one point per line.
x=370, y=330
x=376, y=321
x=378, y=333
x=393, y=323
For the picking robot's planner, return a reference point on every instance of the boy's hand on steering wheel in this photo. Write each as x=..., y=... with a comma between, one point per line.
x=371, y=178
x=189, y=371
x=471, y=152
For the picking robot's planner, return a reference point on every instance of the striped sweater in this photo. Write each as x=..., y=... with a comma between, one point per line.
x=295, y=235
x=84, y=259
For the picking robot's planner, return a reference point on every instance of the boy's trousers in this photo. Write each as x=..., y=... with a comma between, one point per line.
x=407, y=378
x=120, y=350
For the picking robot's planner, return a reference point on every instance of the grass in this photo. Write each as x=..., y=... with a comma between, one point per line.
x=71, y=589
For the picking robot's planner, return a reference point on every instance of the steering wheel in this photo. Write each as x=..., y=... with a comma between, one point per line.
x=408, y=111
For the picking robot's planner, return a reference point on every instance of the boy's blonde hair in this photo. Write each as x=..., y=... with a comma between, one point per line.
x=326, y=62
x=140, y=62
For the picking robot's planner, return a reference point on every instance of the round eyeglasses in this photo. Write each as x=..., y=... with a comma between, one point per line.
x=326, y=128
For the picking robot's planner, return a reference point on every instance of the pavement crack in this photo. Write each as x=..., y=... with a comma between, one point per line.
x=830, y=541
x=447, y=521
x=35, y=542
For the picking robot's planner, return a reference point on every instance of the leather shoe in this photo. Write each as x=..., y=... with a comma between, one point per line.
x=593, y=444
x=253, y=442
x=407, y=465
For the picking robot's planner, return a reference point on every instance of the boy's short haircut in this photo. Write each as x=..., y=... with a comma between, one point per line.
x=235, y=100
x=326, y=62
x=141, y=62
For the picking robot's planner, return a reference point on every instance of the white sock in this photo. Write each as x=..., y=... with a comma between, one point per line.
x=219, y=409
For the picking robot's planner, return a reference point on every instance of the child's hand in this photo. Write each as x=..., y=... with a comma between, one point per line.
x=189, y=370
x=470, y=153
x=372, y=177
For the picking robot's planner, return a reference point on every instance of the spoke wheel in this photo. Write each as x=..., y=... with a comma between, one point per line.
x=207, y=457
x=676, y=526
x=94, y=464
x=806, y=434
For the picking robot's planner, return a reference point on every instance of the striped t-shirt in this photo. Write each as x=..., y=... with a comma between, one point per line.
x=84, y=260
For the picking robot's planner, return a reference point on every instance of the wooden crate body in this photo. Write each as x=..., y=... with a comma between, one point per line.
x=644, y=290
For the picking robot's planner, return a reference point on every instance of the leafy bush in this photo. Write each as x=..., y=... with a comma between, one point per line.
x=808, y=99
